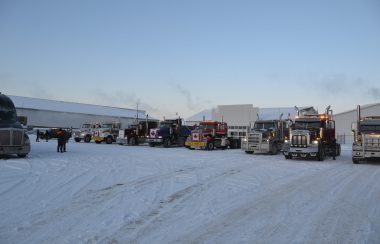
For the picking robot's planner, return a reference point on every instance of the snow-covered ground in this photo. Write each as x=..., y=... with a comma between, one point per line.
x=118, y=194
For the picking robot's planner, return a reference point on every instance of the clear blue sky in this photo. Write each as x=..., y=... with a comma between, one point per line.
x=185, y=56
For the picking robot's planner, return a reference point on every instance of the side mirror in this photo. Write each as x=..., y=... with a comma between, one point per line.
x=354, y=126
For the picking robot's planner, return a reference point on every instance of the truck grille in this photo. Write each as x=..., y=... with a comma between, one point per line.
x=254, y=138
x=372, y=142
x=17, y=137
x=11, y=137
x=5, y=137
x=299, y=141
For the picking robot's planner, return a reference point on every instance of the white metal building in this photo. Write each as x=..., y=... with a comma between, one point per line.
x=50, y=113
x=241, y=117
x=344, y=120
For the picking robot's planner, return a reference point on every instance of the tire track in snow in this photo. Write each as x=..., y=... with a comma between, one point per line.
x=137, y=228
x=290, y=195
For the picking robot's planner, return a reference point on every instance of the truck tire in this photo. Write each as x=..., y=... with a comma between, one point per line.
x=338, y=150
x=21, y=155
x=288, y=157
x=132, y=141
x=274, y=150
x=355, y=161
x=77, y=139
x=98, y=142
x=87, y=138
x=181, y=141
x=321, y=154
x=233, y=144
x=249, y=152
x=109, y=140
x=210, y=145
x=151, y=144
x=167, y=143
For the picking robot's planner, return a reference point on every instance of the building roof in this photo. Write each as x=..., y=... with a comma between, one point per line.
x=361, y=108
x=71, y=107
x=264, y=113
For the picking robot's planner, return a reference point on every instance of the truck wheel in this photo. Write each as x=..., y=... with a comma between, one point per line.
x=338, y=150
x=132, y=141
x=151, y=144
x=274, y=149
x=233, y=144
x=355, y=161
x=288, y=157
x=249, y=152
x=109, y=140
x=181, y=141
x=321, y=155
x=210, y=146
x=77, y=139
x=21, y=155
x=167, y=143
x=87, y=139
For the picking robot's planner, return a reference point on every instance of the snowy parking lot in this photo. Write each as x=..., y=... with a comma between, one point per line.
x=120, y=194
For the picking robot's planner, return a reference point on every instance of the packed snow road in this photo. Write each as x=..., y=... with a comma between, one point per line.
x=117, y=194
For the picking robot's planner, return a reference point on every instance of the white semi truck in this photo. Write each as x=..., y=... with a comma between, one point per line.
x=366, y=138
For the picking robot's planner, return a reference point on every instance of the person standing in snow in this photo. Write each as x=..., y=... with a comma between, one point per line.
x=65, y=138
x=38, y=135
x=60, y=139
x=47, y=135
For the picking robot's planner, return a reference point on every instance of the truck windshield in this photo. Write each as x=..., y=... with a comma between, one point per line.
x=7, y=113
x=260, y=126
x=370, y=128
x=299, y=125
x=165, y=125
x=206, y=127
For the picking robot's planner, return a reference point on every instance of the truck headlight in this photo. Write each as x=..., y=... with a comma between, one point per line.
x=286, y=141
x=315, y=142
x=244, y=140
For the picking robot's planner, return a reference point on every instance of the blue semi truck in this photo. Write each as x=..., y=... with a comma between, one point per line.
x=170, y=132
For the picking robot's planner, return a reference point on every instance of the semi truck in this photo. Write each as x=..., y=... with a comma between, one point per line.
x=107, y=132
x=312, y=136
x=13, y=137
x=84, y=132
x=170, y=132
x=266, y=136
x=136, y=134
x=366, y=143
x=210, y=135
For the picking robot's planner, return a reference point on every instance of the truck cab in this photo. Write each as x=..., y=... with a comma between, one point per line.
x=136, y=133
x=312, y=136
x=266, y=136
x=170, y=132
x=84, y=132
x=107, y=132
x=209, y=135
x=13, y=137
x=366, y=143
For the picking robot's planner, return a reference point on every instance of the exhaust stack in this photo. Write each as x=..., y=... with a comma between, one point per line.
x=358, y=113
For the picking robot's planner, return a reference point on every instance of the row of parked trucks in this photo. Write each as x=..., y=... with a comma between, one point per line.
x=308, y=136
